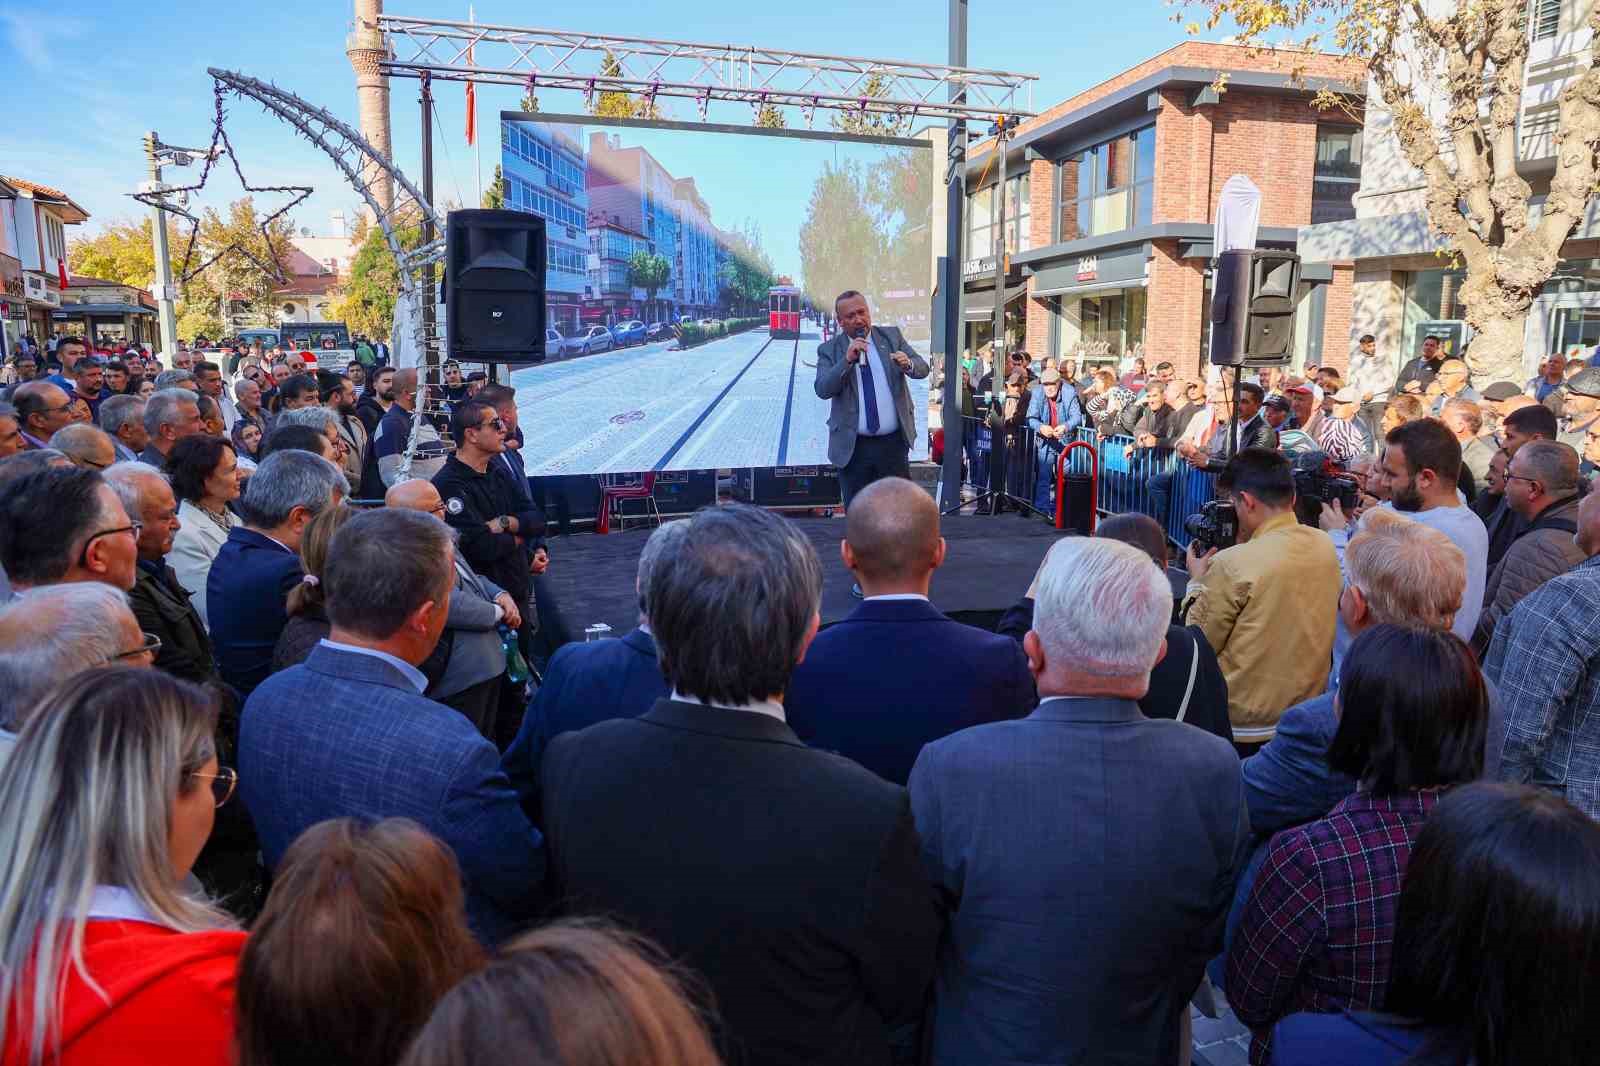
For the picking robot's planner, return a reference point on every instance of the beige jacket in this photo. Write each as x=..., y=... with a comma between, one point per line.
x=1268, y=607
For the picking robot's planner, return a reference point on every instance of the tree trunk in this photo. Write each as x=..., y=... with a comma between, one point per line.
x=1499, y=322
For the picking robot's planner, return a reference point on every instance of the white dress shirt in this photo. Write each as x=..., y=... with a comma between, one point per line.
x=888, y=417
x=770, y=708
x=412, y=674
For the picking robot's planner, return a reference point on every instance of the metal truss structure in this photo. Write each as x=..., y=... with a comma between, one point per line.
x=364, y=168
x=450, y=50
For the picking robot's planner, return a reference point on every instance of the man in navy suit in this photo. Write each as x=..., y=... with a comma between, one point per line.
x=1086, y=854
x=898, y=673
x=595, y=681
x=348, y=732
x=259, y=562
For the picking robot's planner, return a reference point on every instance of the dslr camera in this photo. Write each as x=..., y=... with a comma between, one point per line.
x=1216, y=526
x=1316, y=477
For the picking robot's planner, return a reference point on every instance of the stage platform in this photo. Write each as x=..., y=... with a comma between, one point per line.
x=989, y=564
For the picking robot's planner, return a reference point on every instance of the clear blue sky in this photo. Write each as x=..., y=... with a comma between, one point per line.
x=83, y=81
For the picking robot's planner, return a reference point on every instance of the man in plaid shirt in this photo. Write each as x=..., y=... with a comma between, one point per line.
x=1546, y=659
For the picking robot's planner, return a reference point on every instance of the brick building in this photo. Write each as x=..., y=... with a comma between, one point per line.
x=1111, y=202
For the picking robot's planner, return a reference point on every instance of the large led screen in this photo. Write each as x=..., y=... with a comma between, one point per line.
x=692, y=271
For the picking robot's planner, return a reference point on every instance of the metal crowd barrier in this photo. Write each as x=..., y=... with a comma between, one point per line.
x=1122, y=481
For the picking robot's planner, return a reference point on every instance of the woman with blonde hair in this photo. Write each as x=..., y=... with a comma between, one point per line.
x=308, y=617
x=104, y=805
x=365, y=930
x=569, y=994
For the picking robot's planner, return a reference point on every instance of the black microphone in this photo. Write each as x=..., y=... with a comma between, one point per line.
x=859, y=334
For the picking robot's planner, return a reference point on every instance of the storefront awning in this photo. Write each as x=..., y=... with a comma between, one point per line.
x=112, y=310
x=1090, y=288
x=979, y=306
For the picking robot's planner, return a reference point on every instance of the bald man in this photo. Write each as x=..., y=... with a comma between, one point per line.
x=475, y=664
x=87, y=446
x=897, y=673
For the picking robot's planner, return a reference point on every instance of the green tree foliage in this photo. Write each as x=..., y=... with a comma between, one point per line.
x=648, y=271
x=613, y=103
x=366, y=302
x=868, y=229
x=241, y=265
x=494, y=197
x=873, y=123
x=771, y=117
x=747, y=273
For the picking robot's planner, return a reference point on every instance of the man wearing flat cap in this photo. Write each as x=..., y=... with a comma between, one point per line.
x=1582, y=407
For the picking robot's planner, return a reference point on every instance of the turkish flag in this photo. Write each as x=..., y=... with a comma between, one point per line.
x=61, y=268
x=472, y=109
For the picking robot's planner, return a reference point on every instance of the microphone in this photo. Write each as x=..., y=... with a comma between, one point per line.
x=860, y=334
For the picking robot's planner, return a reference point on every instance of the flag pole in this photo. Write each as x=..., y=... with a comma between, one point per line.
x=477, y=146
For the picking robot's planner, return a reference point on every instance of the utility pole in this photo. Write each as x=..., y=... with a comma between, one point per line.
x=950, y=283
x=165, y=291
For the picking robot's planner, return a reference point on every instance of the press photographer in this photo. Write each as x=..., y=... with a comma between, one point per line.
x=1267, y=604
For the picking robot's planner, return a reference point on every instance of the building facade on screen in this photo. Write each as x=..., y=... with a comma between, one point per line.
x=545, y=175
x=1386, y=258
x=1111, y=200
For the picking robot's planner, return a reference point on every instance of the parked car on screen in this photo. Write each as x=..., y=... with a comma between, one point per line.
x=590, y=340
x=658, y=331
x=631, y=332
x=554, y=342
x=708, y=321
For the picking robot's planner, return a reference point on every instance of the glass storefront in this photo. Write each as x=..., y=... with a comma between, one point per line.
x=1107, y=188
x=1430, y=296
x=1101, y=328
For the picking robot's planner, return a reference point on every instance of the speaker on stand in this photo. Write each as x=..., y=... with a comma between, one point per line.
x=494, y=287
x=1253, y=297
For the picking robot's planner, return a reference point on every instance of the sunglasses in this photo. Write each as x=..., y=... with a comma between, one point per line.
x=223, y=783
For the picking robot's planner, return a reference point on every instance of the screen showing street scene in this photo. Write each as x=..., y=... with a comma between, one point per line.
x=692, y=275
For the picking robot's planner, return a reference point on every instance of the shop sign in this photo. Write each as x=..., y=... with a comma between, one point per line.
x=1088, y=268
x=39, y=291
x=978, y=268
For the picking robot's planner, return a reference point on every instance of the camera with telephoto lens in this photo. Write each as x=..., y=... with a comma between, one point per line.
x=1216, y=526
x=1316, y=477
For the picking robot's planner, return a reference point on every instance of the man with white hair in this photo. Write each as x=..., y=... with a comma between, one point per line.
x=1054, y=839
x=54, y=633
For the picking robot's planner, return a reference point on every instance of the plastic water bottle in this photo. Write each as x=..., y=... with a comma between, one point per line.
x=516, y=665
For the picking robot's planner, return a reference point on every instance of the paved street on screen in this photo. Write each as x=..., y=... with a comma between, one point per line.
x=741, y=401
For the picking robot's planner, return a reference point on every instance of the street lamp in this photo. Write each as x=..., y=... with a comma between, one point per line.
x=159, y=155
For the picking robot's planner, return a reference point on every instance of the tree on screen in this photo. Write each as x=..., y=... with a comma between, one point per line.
x=1451, y=76
x=648, y=271
x=842, y=244
x=747, y=274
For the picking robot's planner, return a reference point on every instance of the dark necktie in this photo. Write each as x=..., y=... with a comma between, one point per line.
x=869, y=393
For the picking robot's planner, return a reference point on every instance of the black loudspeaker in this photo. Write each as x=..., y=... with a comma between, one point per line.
x=1253, y=295
x=494, y=286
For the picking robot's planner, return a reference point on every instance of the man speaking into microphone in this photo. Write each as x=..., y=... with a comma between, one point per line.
x=863, y=370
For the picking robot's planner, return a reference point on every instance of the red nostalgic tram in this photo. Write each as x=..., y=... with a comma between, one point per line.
x=783, y=310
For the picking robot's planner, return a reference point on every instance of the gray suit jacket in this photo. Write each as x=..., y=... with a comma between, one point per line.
x=1086, y=855
x=837, y=381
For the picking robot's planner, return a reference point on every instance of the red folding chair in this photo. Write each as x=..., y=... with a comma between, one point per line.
x=616, y=490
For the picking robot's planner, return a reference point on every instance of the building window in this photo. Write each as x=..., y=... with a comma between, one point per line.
x=1100, y=329
x=1337, y=174
x=982, y=215
x=1107, y=188
x=1544, y=18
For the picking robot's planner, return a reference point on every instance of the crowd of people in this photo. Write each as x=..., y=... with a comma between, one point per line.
x=276, y=788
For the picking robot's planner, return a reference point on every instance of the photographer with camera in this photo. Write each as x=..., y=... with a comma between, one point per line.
x=1421, y=464
x=1266, y=604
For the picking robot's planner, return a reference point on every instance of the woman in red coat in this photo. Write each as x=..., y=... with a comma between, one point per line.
x=105, y=802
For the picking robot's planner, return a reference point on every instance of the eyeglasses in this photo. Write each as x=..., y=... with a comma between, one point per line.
x=223, y=782
x=150, y=645
x=493, y=423
x=1519, y=477
x=132, y=527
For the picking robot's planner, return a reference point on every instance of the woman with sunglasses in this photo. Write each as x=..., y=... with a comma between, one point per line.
x=104, y=805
